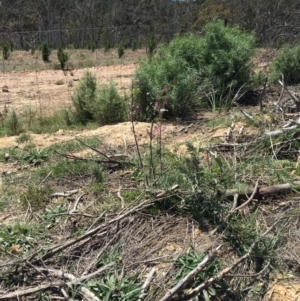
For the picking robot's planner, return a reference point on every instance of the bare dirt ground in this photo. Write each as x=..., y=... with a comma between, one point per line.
x=49, y=90
x=28, y=82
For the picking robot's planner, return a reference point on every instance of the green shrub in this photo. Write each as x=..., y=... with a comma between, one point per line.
x=107, y=46
x=91, y=46
x=37, y=196
x=121, y=50
x=109, y=106
x=188, y=262
x=32, y=50
x=286, y=62
x=104, y=105
x=134, y=45
x=12, y=46
x=191, y=66
x=84, y=97
x=63, y=57
x=170, y=72
x=12, y=124
x=46, y=51
x=23, y=138
x=5, y=51
x=151, y=44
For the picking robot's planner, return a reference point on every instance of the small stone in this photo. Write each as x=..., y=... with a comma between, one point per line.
x=5, y=89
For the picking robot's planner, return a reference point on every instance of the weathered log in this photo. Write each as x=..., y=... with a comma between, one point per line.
x=264, y=191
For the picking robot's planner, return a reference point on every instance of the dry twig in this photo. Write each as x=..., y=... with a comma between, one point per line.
x=182, y=283
x=72, y=281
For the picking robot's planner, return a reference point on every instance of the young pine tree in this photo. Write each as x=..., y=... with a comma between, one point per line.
x=63, y=57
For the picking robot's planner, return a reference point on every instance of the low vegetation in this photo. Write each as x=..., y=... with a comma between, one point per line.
x=63, y=57
x=105, y=106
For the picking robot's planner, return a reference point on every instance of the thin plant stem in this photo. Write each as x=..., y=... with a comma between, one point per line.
x=152, y=168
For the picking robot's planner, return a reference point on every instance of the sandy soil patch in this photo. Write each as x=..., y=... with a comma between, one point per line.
x=50, y=90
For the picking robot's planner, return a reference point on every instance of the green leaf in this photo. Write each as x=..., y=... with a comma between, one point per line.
x=206, y=295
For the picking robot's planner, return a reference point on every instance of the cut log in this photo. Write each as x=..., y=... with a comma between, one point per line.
x=265, y=191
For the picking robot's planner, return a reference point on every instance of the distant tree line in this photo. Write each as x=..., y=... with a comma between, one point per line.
x=79, y=23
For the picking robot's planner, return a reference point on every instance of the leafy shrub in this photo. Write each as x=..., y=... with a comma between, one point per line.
x=12, y=46
x=134, y=45
x=34, y=157
x=104, y=106
x=91, y=46
x=46, y=51
x=193, y=64
x=12, y=124
x=114, y=287
x=224, y=57
x=188, y=262
x=32, y=50
x=286, y=62
x=107, y=46
x=17, y=237
x=63, y=57
x=37, y=196
x=5, y=51
x=109, y=106
x=59, y=82
x=121, y=50
x=23, y=138
x=151, y=44
x=170, y=72
x=85, y=96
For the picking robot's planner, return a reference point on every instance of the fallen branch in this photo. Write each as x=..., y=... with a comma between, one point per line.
x=260, y=192
x=64, y=194
x=250, y=199
x=146, y=284
x=281, y=131
x=182, y=283
x=294, y=97
x=225, y=271
x=76, y=203
x=243, y=112
x=60, y=274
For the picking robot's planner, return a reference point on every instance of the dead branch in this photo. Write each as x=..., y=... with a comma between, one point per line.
x=262, y=95
x=60, y=274
x=64, y=194
x=31, y=290
x=294, y=97
x=260, y=192
x=250, y=275
x=121, y=198
x=282, y=89
x=281, y=131
x=250, y=199
x=146, y=283
x=225, y=271
x=182, y=283
x=95, y=260
x=76, y=203
x=229, y=132
x=93, y=148
x=243, y=112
